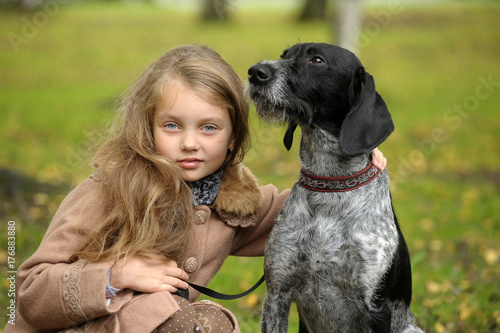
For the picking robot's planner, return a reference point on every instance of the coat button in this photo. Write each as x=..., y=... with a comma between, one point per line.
x=200, y=217
x=191, y=265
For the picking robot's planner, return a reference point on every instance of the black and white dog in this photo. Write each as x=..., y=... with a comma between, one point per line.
x=336, y=248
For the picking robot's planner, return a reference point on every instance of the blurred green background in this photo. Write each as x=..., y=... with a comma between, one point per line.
x=436, y=64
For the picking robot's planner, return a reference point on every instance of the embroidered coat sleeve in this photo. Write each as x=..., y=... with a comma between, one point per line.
x=251, y=241
x=54, y=293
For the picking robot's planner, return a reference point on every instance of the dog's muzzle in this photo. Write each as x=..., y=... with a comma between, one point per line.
x=260, y=74
x=267, y=93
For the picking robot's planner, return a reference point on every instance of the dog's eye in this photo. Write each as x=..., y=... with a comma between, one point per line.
x=317, y=60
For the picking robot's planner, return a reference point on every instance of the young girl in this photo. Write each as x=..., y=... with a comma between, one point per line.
x=168, y=202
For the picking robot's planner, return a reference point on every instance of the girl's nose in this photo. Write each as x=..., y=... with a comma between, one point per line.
x=190, y=141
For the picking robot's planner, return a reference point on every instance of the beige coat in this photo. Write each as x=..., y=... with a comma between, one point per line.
x=54, y=294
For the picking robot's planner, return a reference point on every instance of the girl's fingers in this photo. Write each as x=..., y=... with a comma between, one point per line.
x=378, y=159
x=177, y=283
x=171, y=284
x=170, y=289
x=177, y=272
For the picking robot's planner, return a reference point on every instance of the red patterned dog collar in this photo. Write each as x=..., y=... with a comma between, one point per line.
x=339, y=184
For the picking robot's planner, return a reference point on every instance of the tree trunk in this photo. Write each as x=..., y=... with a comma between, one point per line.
x=350, y=19
x=214, y=10
x=314, y=10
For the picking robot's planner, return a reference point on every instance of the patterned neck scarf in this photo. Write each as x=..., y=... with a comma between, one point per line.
x=205, y=190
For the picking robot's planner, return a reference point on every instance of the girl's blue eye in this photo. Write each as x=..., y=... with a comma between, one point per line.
x=171, y=126
x=209, y=128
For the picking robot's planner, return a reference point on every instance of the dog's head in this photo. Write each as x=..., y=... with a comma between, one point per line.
x=326, y=86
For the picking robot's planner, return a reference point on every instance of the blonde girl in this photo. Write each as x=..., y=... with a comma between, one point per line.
x=168, y=202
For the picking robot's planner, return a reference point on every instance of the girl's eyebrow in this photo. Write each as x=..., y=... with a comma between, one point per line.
x=162, y=116
x=216, y=120
x=166, y=116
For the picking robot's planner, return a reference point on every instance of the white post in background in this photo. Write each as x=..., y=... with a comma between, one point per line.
x=350, y=21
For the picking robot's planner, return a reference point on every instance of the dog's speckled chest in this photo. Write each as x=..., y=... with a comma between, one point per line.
x=329, y=238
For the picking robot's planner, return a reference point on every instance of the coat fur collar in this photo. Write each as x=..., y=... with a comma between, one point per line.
x=239, y=197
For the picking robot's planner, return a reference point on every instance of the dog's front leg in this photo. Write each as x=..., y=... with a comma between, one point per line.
x=275, y=312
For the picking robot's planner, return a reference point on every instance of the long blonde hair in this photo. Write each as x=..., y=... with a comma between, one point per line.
x=147, y=206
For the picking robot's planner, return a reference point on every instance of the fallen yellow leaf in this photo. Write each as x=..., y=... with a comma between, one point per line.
x=430, y=303
x=252, y=300
x=41, y=199
x=470, y=196
x=447, y=286
x=436, y=245
x=3, y=257
x=439, y=327
x=465, y=285
x=427, y=224
x=465, y=313
x=490, y=256
x=433, y=287
x=35, y=212
x=496, y=315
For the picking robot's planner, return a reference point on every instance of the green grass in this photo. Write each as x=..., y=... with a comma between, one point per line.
x=429, y=63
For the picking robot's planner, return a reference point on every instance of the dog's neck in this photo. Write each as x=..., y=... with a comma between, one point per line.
x=338, y=184
x=320, y=155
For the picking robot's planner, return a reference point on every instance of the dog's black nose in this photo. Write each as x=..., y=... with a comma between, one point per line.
x=260, y=73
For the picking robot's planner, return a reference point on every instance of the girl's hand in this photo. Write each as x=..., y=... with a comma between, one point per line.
x=378, y=159
x=147, y=275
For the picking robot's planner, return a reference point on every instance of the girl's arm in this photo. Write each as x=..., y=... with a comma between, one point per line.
x=55, y=293
x=251, y=241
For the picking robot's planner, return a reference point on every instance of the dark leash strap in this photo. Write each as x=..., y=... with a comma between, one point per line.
x=217, y=295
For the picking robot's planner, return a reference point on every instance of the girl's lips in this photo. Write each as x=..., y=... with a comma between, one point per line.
x=190, y=163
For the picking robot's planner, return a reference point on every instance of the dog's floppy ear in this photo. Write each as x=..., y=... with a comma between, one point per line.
x=369, y=122
x=288, y=139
